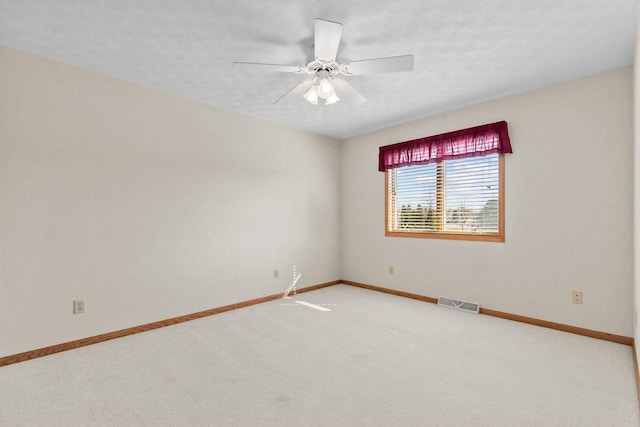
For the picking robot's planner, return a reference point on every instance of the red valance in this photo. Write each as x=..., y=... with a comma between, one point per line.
x=471, y=142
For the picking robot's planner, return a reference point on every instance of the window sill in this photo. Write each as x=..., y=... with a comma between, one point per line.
x=447, y=236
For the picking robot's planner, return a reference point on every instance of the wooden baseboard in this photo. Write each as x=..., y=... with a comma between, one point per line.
x=45, y=351
x=524, y=319
x=635, y=364
x=620, y=339
x=391, y=291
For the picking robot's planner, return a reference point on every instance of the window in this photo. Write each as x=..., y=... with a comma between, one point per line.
x=447, y=186
x=460, y=198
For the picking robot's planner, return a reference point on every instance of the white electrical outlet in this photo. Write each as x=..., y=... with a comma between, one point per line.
x=276, y=274
x=79, y=306
x=576, y=297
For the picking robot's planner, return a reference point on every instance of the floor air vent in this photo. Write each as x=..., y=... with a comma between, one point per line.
x=471, y=307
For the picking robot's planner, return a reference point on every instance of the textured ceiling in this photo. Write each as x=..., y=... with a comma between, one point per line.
x=466, y=51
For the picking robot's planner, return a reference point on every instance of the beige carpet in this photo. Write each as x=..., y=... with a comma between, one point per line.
x=373, y=360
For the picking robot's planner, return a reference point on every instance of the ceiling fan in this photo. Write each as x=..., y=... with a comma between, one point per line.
x=325, y=85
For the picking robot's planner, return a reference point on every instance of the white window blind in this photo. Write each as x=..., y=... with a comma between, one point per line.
x=460, y=196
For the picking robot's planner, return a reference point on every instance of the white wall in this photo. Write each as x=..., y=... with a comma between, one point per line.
x=636, y=212
x=568, y=210
x=147, y=205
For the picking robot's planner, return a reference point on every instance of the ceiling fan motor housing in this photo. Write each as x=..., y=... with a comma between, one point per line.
x=318, y=66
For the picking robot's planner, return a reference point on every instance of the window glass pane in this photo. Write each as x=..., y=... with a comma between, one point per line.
x=471, y=194
x=415, y=200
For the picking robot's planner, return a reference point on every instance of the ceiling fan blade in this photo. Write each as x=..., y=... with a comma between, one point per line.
x=296, y=91
x=378, y=65
x=326, y=36
x=347, y=93
x=268, y=67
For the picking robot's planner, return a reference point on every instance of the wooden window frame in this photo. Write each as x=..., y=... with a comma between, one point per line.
x=486, y=237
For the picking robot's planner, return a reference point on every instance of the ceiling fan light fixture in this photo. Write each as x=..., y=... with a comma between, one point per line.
x=311, y=95
x=321, y=89
x=332, y=99
x=325, y=88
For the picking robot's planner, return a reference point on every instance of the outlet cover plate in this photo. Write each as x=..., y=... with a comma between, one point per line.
x=576, y=297
x=79, y=306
